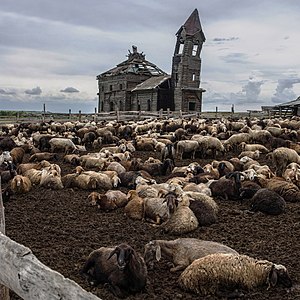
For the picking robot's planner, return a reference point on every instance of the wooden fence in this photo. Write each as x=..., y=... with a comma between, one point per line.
x=123, y=116
x=24, y=274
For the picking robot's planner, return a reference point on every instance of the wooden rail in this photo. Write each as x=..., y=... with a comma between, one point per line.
x=24, y=274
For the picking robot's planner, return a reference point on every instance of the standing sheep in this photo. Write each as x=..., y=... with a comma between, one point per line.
x=207, y=275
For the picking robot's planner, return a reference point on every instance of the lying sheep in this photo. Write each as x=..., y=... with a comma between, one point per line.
x=109, y=201
x=204, y=208
x=207, y=275
x=43, y=156
x=183, y=220
x=252, y=154
x=51, y=179
x=282, y=156
x=253, y=147
x=268, y=202
x=121, y=267
x=159, y=210
x=134, y=209
x=181, y=252
x=20, y=184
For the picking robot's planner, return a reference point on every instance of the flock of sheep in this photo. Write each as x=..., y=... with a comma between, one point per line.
x=103, y=159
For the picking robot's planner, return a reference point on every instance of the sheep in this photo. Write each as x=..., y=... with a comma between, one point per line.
x=20, y=184
x=88, y=161
x=17, y=155
x=182, y=251
x=34, y=176
x=209, y=274
x=204, y=208
x=187, y=146
x=109, y=201
x=22, y=168
x=268, y=202
x=225, y=189
x=232, y=142
x=5, y=157
x=252, y=147
x=134, y=209
x=287, y=190
x=168, y=152
x=82, y=181
x=72, y=159
x=120, y=266
x=154, y=169
x=158, y=210
x=51, y=179
x=62, y=144
x=183, y=220
x=282, y=156
x=116, y=166
x=209, y=143
x=252, y=154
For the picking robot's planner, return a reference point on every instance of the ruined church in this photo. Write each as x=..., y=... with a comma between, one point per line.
x=137, y=84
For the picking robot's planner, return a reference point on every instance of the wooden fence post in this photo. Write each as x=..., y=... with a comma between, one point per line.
x=4, y=291
x=118, y=115
x=216, y=111
x=180, y=114
x=79, y=116
x=168, y=113
x=44, y=112
x=70, y=112
x=160, y=113
x=95, y=115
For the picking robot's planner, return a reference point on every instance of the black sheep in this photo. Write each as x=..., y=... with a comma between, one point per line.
x=121, y=267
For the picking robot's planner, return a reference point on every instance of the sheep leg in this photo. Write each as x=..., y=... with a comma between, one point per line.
x=177, y=268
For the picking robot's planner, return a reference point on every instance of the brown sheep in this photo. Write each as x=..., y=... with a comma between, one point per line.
x=20, y=184
x=17, y=155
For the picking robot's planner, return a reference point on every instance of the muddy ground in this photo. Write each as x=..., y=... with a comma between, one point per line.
x=61, y=229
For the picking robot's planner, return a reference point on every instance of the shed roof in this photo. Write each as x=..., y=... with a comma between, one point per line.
x=151, y=83
x=290, y=103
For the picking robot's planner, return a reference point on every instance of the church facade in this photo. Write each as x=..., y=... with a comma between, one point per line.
x=137, y=84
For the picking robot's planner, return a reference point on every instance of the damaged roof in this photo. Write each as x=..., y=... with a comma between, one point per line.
x=151, y=83
x=135, y=64
x=290, y=103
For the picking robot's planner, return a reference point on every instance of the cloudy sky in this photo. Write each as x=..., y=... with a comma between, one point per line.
x=52, y=50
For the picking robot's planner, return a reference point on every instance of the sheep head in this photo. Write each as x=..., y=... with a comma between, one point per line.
x=152, y=252
x=279, y=275
x=124, y=253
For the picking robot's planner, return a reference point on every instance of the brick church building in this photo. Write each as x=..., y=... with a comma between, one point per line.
x=137, y=84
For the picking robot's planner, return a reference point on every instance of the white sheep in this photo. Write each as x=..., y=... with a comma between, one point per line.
x=282, y=156
x=62, y=144
x=183, y=220
x=182, y=252
x=206, y=275
x=253, y=147
x=187, y=146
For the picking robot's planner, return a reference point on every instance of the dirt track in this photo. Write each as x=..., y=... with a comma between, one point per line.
x=61, y=229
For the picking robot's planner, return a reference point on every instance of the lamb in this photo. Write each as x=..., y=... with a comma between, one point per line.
x=268, y=202
x=207, y=275
x=183, y=220
x=116, y=166
x=225, y=189
x=20, y=184
x=120, y=266
x=282, y=156
x=88, y=161
x=182, y=251
x=109, y=201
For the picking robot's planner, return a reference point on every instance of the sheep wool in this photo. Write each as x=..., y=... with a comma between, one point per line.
x=207, y=274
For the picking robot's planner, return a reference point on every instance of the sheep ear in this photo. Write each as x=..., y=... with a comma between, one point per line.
x=273, y=277
x=158, y=253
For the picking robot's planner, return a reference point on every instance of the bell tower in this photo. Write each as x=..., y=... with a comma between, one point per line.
x=186, y=65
